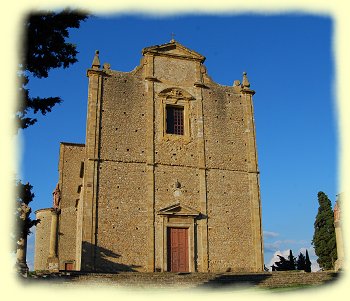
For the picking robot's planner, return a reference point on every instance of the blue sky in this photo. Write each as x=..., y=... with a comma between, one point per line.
x=290, y=64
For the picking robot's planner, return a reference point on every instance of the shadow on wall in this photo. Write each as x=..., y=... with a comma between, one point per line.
x=105, y=260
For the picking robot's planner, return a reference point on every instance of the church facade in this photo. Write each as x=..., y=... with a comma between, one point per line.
x=168, y=177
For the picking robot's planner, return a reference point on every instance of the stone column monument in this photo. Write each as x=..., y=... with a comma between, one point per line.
x=21, y=254
x=338, y=234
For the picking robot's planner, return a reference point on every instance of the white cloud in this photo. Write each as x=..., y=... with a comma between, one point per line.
x=284, y=244
x=279, y=244
x=30, y=242
x=314, y=266
x=270, y=234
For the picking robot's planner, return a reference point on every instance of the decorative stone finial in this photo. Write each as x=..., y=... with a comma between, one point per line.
x=245, y=82
x=236, y=83
x=106, y=66
x=96, y=62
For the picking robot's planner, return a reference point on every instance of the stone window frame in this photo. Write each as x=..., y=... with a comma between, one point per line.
x=176, y=97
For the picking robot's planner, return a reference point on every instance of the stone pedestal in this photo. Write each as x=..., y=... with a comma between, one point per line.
x=22, y=269
x=21, y=264
x=339, y=264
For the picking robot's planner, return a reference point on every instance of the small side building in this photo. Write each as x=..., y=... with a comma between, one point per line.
x=42, y=239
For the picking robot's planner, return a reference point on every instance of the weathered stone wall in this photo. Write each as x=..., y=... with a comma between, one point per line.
x=42, y=239
x=123, y=212
x=165, y=192
x=229, y=223
x=181, y=150
x=176, y=156
x=228, y=192
x=123, y=118
x=71, y=173
x=224, y=130
x=175, y=71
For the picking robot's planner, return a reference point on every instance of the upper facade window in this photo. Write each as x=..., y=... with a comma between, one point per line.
x=175, y=104
x=174, y=120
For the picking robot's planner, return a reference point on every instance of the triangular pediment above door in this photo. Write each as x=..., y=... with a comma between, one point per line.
x=178, y=209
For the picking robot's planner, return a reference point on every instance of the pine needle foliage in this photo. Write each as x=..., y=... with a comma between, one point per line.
x=324, y=240
x=45, y=47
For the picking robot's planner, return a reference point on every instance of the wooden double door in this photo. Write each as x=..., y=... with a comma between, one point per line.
x=177, y=249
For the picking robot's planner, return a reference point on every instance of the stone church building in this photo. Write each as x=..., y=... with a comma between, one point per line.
x=168, y=177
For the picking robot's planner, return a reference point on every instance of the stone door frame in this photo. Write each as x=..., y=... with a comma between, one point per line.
x=177, y=216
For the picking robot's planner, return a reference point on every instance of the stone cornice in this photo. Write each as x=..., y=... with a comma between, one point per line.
x=176, y=56
x=247, y=91
x=178, y=210
x=151, y=79
x=200, y=85
x=91, y=71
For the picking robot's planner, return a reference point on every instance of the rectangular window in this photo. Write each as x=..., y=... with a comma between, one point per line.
x=175, y=120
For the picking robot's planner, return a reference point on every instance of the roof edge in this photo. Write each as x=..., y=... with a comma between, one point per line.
x=157, y=49
x=73, y=144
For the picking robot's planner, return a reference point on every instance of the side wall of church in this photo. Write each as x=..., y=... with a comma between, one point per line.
x=70, y=181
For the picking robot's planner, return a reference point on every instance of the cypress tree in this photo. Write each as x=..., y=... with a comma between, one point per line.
x=301, y=263
x=285, y=264
x=307, y=263
x=291, y=261
x=281, y=265
x=324, y=236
